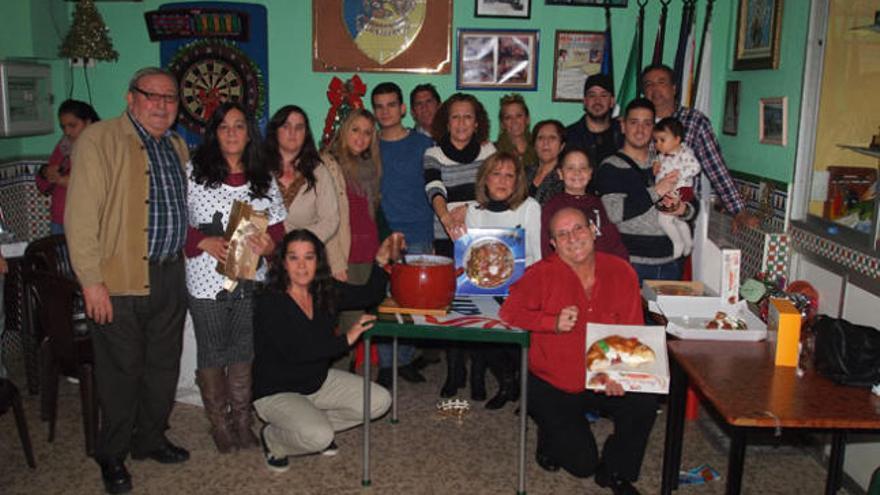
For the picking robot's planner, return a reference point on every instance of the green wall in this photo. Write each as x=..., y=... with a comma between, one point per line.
x=292, y=81
x=743, y=152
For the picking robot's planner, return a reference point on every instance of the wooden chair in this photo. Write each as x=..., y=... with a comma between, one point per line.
x=64, y=349
x=10, y=398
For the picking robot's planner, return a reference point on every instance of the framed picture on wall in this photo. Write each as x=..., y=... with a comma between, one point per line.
x=731, y=109
x=503, y=8
x=773, y=120
x=497, y=59
x=757, y=35
x=590, y=3
x=577, y=56
x=361, y=37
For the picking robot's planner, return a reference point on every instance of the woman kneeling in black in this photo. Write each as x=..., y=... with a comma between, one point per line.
x=304, y=400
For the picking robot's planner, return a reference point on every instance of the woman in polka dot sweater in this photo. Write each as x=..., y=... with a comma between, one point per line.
x=228, y=166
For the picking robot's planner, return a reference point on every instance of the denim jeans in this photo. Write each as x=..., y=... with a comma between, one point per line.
x=665, y=271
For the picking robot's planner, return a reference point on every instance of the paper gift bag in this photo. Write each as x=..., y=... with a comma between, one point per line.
x=241, y=260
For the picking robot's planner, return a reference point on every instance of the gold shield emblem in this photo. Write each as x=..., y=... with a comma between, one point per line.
x=383, y=29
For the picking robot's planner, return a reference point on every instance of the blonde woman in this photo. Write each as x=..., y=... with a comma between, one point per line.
x=354, y=151
x=515, y=137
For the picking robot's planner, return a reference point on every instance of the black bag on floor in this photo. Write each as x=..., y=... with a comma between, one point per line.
x=847, y=353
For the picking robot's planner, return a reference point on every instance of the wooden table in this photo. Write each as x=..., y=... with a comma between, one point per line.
x=740, y=381
x=469, y=320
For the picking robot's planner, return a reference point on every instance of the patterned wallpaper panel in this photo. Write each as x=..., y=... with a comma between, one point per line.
x=857, y=261
x=764, y=249
x=26, y=210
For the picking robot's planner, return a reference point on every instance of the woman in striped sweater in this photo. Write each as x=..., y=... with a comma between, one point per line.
x=461, y=130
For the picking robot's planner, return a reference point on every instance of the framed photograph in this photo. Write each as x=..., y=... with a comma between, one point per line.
x=731, y=109
x=520, y=9
x=588, y=3
x=773, y=124
x=757, y=35
x=577, y=56
x=354, y=36
x=497, y=59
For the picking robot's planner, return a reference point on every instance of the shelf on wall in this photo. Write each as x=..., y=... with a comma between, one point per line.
x=862, y=149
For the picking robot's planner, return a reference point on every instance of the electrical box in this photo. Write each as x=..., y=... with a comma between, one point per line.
x=25, y=99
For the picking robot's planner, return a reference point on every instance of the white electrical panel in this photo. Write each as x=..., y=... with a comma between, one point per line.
x=25, y=99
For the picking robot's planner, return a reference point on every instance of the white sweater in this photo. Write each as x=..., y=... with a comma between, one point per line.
x=527, y=216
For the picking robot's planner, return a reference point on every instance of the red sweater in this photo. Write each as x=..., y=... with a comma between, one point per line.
x=550, y=285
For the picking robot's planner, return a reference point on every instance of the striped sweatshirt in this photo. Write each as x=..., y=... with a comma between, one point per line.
x=453, y=180
x=628, y=196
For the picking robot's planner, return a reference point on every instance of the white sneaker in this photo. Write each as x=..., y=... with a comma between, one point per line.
x=331, y=449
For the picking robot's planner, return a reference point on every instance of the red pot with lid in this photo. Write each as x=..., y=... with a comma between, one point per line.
x=425, y=281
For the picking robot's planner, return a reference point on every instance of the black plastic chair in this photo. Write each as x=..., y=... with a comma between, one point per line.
x=10, y=398
x=48, y=254
x=64, y=349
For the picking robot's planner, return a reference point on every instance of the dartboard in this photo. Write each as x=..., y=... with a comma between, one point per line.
x=211, y=73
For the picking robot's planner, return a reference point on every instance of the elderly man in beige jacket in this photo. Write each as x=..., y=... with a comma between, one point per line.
x=126, y=225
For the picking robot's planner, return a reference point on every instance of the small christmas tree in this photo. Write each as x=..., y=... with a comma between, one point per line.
x=343, y=98
x=88, y=37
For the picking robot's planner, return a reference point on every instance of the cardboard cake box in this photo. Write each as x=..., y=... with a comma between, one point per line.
x=687, y=318
x=660, y=290
x=652, y=377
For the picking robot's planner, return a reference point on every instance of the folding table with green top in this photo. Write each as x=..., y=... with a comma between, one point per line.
x=470, y=319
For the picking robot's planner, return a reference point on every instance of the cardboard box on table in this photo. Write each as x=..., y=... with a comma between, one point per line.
x=647, y=377
x=657, y=291
x=687, y=318
x=784, y=323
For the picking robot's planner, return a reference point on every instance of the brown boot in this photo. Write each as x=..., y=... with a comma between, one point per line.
x=239, y=380
x=212, y=384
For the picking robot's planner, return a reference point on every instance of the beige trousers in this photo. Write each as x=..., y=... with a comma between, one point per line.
x=304, y=424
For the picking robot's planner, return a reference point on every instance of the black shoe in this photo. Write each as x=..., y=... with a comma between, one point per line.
x=410, y=373
x=168, y=453
x=498, y=401
x=115, y=476
x=449, y=390
x=546, y=463
x=384, y=378
x=424, y=360
x=617, y=485
x=455, y=373
x=478, y=391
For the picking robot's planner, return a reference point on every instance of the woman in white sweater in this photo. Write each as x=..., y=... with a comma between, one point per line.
x=502, y=194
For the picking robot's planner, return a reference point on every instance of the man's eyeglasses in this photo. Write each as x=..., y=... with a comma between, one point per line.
x=156, y=97
x=576, y=231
